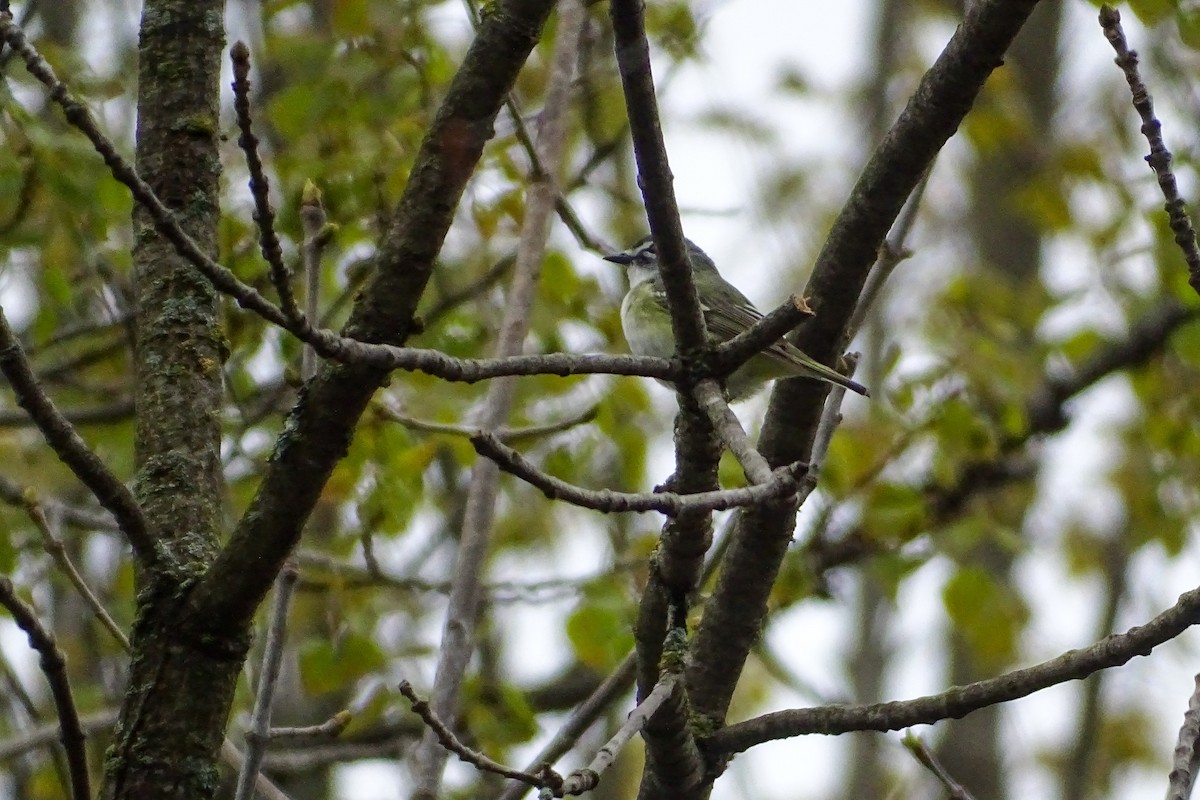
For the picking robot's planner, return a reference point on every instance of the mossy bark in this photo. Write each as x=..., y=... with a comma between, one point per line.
x=181, y=682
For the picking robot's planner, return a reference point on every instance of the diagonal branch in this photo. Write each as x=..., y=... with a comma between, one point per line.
x=53, y=665
x=164, y=219
x=584, y=780
x=446, y=738
x=1111, y=651
x=580, y=720
x=731, y=354
x=1182, y=779
x=1160, y=157
x=320, y=426
x=734, y=614
x=14, y=494
x=111, y=493
x=729, y=430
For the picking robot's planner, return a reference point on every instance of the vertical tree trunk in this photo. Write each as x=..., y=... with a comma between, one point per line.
x=180, y=685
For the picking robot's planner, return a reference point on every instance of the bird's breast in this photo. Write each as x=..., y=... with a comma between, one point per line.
x=639, y=320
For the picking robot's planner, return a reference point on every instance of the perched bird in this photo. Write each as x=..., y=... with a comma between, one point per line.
x=727, y=312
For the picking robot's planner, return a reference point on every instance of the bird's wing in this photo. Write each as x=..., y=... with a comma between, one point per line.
x=725, y=323
x=728, y=321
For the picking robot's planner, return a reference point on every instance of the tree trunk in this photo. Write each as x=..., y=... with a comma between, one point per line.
x=181, y=684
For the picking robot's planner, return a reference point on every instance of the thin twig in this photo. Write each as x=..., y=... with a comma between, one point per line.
x=831, y=417
x=317, y=233
x=954, y=790
x=54, y=546
x=14, y=494
x=1160, y=157
x=580, y=720
x=21, y=699
x=729, y=430
x=890, y=255
x=120, y=411
x=588, y=778
x=329, y=729
x=233, y=757
x=508, y=435
x=448, y=740
x=260, y=720
x=778, y=483
x=566, y=213
x=260, y=185
x=53, y=665
x=351, y=576
x=32, y=738
x=473, y=289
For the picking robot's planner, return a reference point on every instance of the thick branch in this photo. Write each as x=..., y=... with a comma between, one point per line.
x=321, y=424
x=733, y=616
x=655, y=178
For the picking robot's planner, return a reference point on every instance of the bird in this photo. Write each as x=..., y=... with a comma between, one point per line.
x=646, y=321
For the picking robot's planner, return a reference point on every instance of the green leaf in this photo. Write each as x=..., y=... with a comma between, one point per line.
x=1152, y=12
x=499, y=716
x=989, y=616
x=330, y=667
x=599, y=630
x=894, y=512
x=1188, y=21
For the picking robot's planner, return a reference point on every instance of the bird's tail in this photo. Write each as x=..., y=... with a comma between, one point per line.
x=814, y=369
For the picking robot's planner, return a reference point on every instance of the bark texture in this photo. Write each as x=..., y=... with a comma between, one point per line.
x=174, y=713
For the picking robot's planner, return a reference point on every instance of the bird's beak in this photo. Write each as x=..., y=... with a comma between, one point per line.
x=624, y=259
